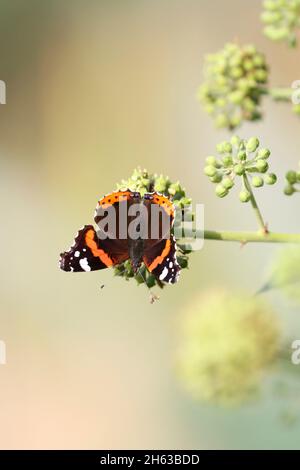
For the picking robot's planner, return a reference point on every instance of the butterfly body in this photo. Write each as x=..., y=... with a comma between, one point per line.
x=129, y=227
x=136, y=252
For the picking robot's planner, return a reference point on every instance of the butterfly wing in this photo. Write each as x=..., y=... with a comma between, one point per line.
x=111, y=214
x=160, y=250
x=89, y=253
x=160, y=259
x=92, y=251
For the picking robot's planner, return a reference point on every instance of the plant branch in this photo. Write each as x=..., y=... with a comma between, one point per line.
x=250, y=237
x=244, y=237
x=280, y=94
x=257, y=212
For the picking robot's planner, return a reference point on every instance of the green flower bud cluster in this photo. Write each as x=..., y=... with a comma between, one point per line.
x=292, y=182
x=227, y=344
x=282, y=20
x=235, y=82
x=145, y=182
x=238, y=158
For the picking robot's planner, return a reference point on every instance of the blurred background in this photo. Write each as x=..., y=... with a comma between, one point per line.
x=94, y=89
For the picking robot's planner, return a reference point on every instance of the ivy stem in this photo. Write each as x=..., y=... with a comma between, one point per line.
x=257, y=212
x=240, y=237
x=280, y=94
x=250, y=237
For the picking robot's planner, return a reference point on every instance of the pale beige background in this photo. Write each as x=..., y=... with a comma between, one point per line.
x=95, y=88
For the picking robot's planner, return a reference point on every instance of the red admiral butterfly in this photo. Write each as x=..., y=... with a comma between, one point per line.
x=98, y=250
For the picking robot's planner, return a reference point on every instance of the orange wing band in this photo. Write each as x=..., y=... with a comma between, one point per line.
x=159, y=259
x=165, y=203
x=91, y=243
x=113, y=198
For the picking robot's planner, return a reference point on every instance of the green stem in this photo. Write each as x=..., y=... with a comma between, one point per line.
x=257, y=212
x=249, y=237
x=280, y=94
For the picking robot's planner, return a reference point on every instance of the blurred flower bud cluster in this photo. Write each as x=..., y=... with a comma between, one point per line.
x=227, y=343
x=235, y=80
x=282, y=20
x=292, y=182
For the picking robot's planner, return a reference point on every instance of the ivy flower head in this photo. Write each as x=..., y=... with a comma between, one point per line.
x=227, y=343
x=239, y=158
x=282, y=20
x=235, y=80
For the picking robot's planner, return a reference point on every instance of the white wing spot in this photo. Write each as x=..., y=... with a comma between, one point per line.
x=163, y=274
x=77, y=254
x=84, y=264
x=170, y=264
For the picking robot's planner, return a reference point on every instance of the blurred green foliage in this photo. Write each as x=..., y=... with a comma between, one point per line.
x=285, y=273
